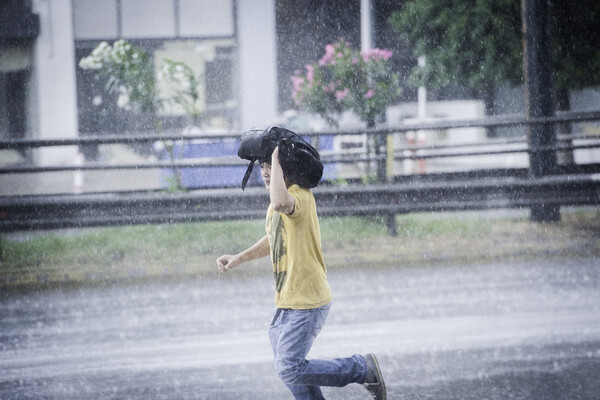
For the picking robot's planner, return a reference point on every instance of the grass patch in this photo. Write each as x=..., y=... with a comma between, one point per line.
x=353, y=229
x=81, y=256
x=427, y=225
x=114, y=253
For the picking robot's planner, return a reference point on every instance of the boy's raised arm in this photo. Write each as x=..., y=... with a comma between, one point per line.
x=281, y=200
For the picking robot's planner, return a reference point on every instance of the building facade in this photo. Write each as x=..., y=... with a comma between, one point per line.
x=230, y=44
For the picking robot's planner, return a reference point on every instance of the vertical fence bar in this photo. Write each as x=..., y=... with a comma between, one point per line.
x=538, y=98
x=382, y=153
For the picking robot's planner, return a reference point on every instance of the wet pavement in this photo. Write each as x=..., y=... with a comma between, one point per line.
x=519, y=331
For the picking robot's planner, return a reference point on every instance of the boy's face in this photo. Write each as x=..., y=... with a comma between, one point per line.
x=265, y=173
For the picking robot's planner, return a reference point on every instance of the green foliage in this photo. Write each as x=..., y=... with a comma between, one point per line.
x=470, y=44
x=130, y=73
x=183, y=85
x=575, y=43
x=479, y=44
x=174, y=184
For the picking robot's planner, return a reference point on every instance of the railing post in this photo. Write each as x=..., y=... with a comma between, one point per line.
x=389, y=159
x=538, y=98
x=381, y=151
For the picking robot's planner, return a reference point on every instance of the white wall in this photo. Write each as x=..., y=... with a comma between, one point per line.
x=55, y=107
x=257, y=62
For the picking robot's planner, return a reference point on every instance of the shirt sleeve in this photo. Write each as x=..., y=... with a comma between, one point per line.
x=299, y=202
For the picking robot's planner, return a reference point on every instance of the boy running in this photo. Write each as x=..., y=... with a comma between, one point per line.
x=302, y=294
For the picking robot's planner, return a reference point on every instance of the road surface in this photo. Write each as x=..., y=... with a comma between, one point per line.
x=521, y=331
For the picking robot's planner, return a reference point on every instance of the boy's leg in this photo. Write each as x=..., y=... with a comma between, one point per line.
x=296, y=331
x=298, y=391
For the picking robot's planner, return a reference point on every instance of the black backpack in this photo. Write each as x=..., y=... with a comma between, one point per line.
x=300, y=161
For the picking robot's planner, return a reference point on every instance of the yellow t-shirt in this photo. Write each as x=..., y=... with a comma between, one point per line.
x=298, y=265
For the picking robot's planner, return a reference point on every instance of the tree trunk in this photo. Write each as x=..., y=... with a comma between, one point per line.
x=538, y=99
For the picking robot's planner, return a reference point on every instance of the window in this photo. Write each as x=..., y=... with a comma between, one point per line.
x=15, y=74
x=211, y=60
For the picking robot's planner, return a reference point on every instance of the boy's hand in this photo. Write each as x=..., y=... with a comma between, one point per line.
x=275, y=155
x=226, y=262
x=258, y=250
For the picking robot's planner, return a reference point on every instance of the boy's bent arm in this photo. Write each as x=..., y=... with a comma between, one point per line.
x=258, y=250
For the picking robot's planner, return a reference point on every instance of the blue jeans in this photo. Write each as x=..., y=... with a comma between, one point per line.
x=292, y=334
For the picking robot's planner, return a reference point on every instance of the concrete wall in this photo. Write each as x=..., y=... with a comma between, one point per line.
x=54, y=105
x=54, y=110
x=257, y=62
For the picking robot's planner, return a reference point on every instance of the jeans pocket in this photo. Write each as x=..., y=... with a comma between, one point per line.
x=320, y=318
x=275, y=317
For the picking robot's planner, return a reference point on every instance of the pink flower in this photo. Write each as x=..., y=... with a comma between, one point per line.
x=297, y=81
x=328, y=56
x=341, y=94
x=329, y=88
x=310, y=73
x=370, y=93
x=376, y=54
x=386, y=54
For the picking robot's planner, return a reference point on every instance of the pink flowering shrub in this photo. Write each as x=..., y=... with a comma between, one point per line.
x=346, y=79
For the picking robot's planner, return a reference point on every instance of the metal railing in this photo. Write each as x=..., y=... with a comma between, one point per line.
x=421, y=152
x=388, y=195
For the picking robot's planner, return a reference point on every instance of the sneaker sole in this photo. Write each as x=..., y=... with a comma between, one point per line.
x=381, y=381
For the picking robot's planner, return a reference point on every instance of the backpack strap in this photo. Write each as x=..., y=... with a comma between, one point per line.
x=248, y=173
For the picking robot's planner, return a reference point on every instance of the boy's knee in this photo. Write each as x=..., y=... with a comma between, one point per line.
x=288, y=371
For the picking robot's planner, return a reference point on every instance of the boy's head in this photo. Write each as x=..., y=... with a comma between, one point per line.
x=300, y=161
x=265, y=173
